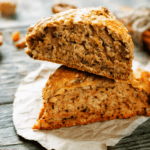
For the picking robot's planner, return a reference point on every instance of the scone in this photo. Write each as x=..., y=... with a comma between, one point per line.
x=89, y=39
x=73, y=97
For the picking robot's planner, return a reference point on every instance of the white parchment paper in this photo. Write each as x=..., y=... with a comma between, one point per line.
x=95, y=136
x=140, y=19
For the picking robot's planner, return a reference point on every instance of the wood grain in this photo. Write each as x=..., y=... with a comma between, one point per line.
x=14, y=65
x=8, y=138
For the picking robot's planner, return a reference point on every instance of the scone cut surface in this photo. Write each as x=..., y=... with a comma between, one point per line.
x=73, y=97
x=88, y=39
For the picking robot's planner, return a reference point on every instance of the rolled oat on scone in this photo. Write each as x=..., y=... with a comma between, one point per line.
x=73, y=97
x=88, y=39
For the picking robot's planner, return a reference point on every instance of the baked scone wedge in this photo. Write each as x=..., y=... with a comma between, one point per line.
x=88, y=39
x=73, y=97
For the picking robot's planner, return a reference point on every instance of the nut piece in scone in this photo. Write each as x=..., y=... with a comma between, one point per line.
x=88, y=39
x=57, y=8
x=73, y=97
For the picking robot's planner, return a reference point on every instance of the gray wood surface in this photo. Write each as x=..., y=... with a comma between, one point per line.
x=15, y=65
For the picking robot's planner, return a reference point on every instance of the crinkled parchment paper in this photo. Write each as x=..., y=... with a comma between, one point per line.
x=140, y=19
x=95, y=136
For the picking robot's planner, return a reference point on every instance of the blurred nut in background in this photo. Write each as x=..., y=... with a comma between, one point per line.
x=146, y=40
x=7, y=7
x=16, y=36
x=1, y=39
x=21, y=43
x=62, y=7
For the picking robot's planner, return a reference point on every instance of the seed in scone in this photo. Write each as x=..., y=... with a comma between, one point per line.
x=62, y=7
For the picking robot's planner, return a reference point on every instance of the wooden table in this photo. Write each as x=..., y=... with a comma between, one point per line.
x=15, y=65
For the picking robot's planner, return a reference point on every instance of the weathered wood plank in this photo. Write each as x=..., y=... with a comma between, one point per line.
x=14, y=65
x=23, y=147
x=8, y=137
x=139, y=139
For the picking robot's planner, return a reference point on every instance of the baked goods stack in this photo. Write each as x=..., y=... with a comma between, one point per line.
x=96, y=82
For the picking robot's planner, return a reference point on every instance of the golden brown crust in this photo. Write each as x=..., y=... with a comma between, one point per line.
x=44, y=125
x=102, y=17
x=137, y=98
x=83, y=16
x=94, y=16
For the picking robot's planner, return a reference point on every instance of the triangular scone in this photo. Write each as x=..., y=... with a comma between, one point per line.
x=89, y=39
x=72, y=97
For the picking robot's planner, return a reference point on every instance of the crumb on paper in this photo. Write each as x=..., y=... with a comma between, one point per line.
x=16, y=36
x=20, y=42
x=7, y=7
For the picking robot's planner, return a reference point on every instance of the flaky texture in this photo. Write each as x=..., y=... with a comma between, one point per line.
x=72, y=97
x=89, y=39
